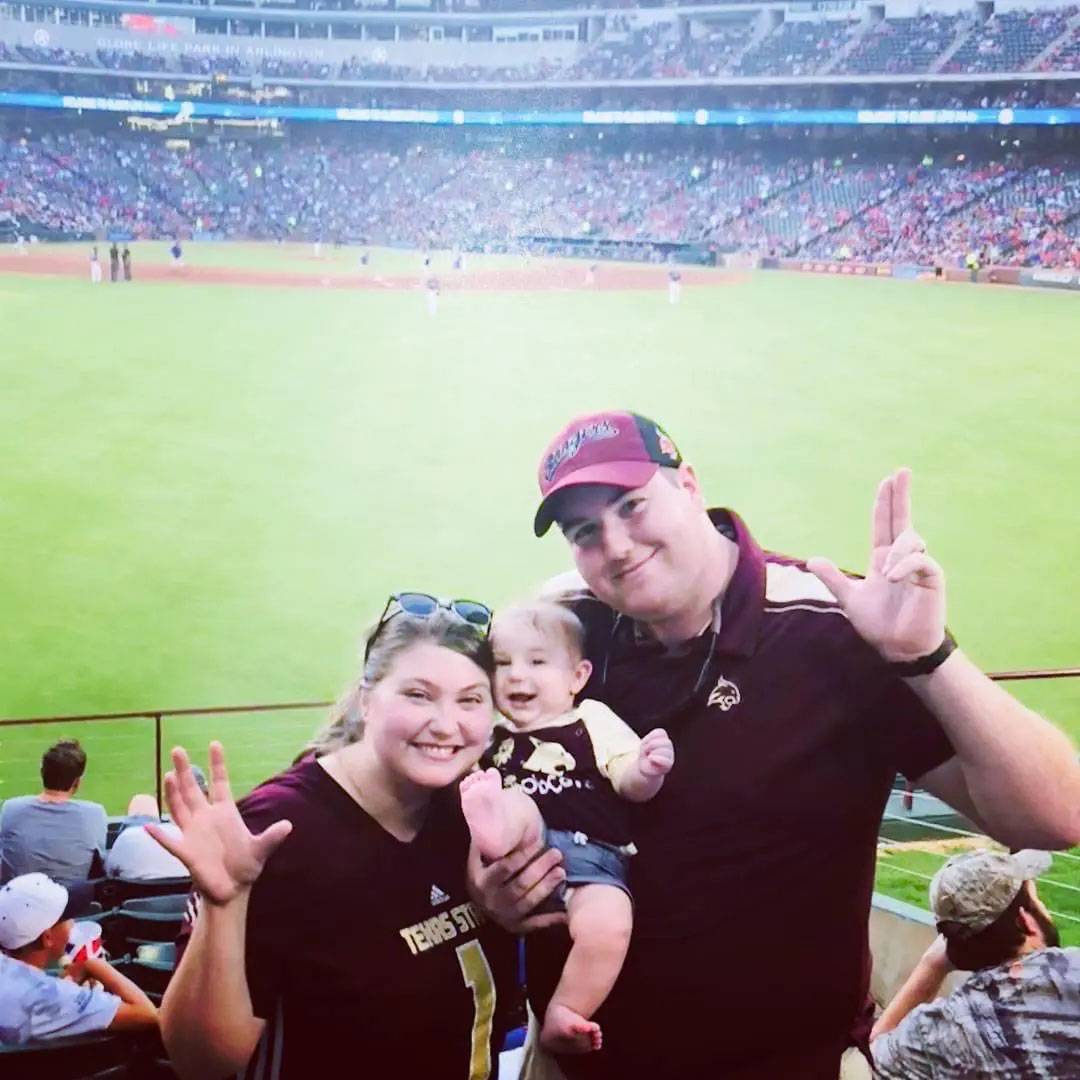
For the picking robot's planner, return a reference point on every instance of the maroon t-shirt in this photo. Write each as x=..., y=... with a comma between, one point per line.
x=755, y=862
x=365, y=950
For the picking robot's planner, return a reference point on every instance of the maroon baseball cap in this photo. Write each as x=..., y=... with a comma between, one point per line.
x=622, y=449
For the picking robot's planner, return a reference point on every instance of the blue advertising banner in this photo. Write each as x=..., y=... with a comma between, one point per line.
x=184, y=110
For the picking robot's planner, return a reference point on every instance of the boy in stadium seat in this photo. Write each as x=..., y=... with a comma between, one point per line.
x=36, y=921
x=565, y=773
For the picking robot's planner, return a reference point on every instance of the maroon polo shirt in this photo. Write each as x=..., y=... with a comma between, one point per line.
x=755, y=869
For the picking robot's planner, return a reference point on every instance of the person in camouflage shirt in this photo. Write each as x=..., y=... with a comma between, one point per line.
x=1018, y=1014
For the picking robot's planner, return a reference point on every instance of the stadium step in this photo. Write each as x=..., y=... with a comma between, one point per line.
x=966, y=29
x=762, y=30
x=849, y=46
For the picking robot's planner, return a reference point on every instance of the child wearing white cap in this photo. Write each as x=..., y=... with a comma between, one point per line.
x=36, y=922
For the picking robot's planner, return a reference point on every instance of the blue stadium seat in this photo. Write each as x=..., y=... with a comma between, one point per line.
x=113, y=892
x=143, y=921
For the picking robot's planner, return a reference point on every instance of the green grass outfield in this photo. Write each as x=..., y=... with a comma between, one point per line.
x=208, y=491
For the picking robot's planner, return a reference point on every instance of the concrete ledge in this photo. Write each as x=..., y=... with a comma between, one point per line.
x=899, y=934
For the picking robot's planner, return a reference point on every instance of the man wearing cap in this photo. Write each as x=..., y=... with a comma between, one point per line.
x=1019, y=1013
x=794, y=694
x=36, y=926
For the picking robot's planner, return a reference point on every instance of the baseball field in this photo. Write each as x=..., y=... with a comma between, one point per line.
x=214, y=475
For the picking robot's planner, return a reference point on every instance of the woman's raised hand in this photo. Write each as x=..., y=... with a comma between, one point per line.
x=222, y=855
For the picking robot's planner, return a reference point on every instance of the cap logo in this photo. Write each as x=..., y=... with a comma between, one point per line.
x=666, y=445
x=571, y=446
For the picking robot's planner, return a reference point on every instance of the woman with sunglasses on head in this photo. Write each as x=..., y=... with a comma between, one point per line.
x=334, y=922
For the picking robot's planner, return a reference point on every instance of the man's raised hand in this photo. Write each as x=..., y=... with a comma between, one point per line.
x=899, y=607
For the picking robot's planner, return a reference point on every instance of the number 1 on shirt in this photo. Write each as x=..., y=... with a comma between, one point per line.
x=477, y=974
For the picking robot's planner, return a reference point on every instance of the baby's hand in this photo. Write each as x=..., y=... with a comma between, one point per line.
x=656, y=755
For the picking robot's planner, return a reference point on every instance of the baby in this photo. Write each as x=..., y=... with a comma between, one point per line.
x=562, y=774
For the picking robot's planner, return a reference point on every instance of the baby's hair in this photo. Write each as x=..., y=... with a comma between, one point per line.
x=548, y=618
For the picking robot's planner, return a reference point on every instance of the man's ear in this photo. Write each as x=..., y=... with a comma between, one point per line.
x=1027, y=923
x=581, y=676
x=48, y=939
x=689, y=483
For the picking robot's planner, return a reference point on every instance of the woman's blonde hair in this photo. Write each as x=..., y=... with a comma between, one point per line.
x=383, y=645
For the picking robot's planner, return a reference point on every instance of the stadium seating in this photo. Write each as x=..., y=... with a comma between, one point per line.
x=1015, y=215
x=131, y=61
x=215, y=65
x=1066, y=57
x=36, y=54
x=143, y=921
x=621, y=54
x=712, y=53
x=1009, y=41
x=112, y=892
x=624, y=48
x=797, y=48
x=902, y=46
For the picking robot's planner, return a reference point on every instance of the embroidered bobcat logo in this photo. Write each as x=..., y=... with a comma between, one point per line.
x=725, y=694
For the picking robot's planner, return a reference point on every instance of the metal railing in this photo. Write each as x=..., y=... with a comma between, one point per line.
x=921, y=811
x=158, y=715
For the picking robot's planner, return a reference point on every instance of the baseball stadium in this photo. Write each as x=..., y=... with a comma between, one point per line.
x=294, y=294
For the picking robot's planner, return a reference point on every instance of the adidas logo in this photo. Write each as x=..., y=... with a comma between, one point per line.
x=438, y=896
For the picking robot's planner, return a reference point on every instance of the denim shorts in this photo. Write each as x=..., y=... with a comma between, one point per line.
x=589, y=862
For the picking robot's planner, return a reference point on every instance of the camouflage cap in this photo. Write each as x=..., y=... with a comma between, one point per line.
x=975, y=888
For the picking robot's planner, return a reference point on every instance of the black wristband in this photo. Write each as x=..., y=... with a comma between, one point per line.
x=925, y=664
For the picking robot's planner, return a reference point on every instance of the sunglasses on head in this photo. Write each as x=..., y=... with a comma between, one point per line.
x=420, y=605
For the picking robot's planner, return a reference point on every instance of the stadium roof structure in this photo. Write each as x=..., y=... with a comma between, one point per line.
x=281, y=12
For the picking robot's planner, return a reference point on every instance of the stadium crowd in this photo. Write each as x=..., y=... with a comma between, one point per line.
x=1018, y=211
x=1010, y=214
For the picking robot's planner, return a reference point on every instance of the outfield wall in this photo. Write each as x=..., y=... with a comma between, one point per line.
x=1051, y=279
x=989, y=275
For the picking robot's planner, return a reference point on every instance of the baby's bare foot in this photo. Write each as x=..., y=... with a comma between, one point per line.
x=567, y=1032
x=482, y=805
